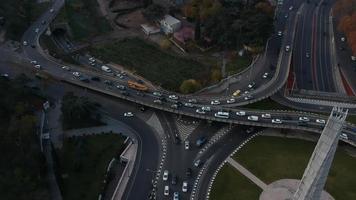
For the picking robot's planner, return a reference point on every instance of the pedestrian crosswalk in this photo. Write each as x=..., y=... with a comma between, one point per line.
x=185, y=128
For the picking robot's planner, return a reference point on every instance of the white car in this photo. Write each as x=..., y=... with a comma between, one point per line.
x=157, y=101
x=92, y=59
x=265, y=75
x=266, y=116
x=344, y=136
x=38, y=66
x=188, y=105
x=320, y=121
x=304, y=119
x=276, y=121
x=342, y=39
x=121, y=87
x=37, y=30
x=215, y=102
x=291, y=8
x=240, y=113
x=185, y=186
x=246, y=92
x=66, y=68
x=206, y=108
x=251, y=85
x=287, y=48
x=5, y=75
x=192, y=101
x=174, y=97
x=186, y=144
x=33, y=62
x=165, y=175
x=24, y=43
x=200, y=111
x=128, y=114
x=246, y=98
x=252, y=118
x=52, y=10
x=76, y=74
x=166, y=190
x=158, y=94
x=231, y=101
x=279, y=33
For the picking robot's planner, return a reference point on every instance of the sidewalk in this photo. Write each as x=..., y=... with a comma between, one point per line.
x=246, y=173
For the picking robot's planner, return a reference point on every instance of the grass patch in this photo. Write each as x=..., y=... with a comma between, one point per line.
x=238, y=64
x=83, y=18
x=351, y=118
x=19, y=15
x=277, y=158
x=151, y=62
x=230, y=184
x=267, y=104
x=83, y=162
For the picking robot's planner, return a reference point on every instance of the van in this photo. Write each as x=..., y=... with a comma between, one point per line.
x=106, y=69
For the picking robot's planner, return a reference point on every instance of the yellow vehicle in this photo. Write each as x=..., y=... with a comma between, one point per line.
x=236, y=93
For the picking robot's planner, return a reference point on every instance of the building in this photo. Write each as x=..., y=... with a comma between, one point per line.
x=170, y=24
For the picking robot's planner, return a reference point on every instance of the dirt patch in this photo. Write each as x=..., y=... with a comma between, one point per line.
x=132, y=20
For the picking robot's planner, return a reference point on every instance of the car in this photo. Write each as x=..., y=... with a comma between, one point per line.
x=174, y=180
x=197, y=163
x=175, y=196
x=246, y=92
x=276, y=121
x=172, y=96
x=185, y=186
x=266, y=115
x=206, y=108
x=126, y=93
x=121, y=87
x=157, y=101
x=43, y=22
x=24, y=43
x=286, y=16
x=265, y=75
x=246, y=98
x=279, y=33
x=342, y=39
x=186, y=145
x=251, y=85
x=291, y=8
x=287, y=48
x=307, y=55
x=52, y=10
x=107, y=82
x=192, y=101
x=175, y=106
x=188, y=172
x=215, y=102
x=128, y=114
x=76, y=74
x=232, y=100
x=200, y=142
x=241, y=113
x=304, y=119
x=344, y=136
x=190, y=105
x=33, y=46
x=5, y=75
x=38, y=66
x=37, y=30
x=166, y=190
x=84, y=79
x=252, y=118
x=165, y=175
x=236, y=93
x=66, y=68
x=33, y=62
x=92, y=59
x=157, y=94
x=320, y=121
x=95, y=78
x=200, y=111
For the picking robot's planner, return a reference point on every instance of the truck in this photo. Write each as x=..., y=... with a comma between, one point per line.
x=137, y=86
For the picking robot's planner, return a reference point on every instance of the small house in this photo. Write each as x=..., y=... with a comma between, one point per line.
x=170, y=24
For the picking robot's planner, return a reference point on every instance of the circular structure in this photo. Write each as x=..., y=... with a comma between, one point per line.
x=284, y=189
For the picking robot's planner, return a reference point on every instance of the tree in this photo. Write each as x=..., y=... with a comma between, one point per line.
x=189, y=86
x=154, y=12
x=147, y=3
x=197, y=32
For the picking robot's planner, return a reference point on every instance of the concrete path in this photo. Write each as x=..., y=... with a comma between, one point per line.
x=247, y=173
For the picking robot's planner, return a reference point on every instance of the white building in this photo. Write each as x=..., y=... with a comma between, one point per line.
x=170, y=24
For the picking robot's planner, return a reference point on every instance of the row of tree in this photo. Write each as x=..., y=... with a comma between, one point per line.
x=345, y=11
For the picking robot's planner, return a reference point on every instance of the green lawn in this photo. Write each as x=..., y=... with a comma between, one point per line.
x=277, y=158
x=84, y=19
x=237, y=65
x=83, y=162
x=351, y=118
x=232, y=185
x=151, y=62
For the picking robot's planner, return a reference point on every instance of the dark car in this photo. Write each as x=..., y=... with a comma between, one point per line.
x=107, y=82
x=176, y=139
x=188, y=172
x=174, y=180
x=84, y=79
x=95, y=78
x=125, y=93
x=200, y=142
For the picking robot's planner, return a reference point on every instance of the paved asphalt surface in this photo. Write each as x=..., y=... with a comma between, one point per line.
x=140, y=185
